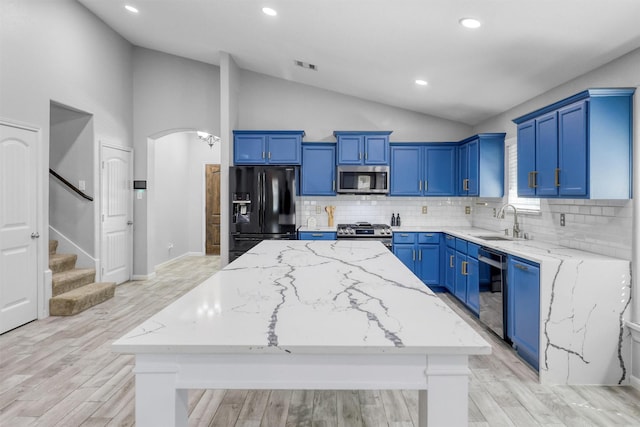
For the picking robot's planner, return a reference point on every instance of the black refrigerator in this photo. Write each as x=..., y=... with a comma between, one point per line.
x=263, y=206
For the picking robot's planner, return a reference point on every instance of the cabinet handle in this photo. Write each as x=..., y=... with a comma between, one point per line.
x=428, y=235
x=521, y=267
x=419, y=185
x=366, y=156
x=316, y=234
x=404, y=235
x=334, y=185
x=263, y=155
x=465, y=184
x=426, y=185
x=359, y=156
x=419, y=255
x=534, y=179
x=464, y=268
x=413, y=254
x=451, y=261
x=557, y=177
x=269, y=154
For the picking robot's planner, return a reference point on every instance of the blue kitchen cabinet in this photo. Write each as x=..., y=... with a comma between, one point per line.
x=420, y=252
x=316, y=235
x=439, y=174
x=362, y=148
x=318, y=171
x=572, y=151
x=423, y=170
x=450, y=269
x=267, y=147
x=428, y=262
x=524, y=308
x=481, y=165
x=466, y=278
x=582, y=147
x=537, y=173
x=406, y=170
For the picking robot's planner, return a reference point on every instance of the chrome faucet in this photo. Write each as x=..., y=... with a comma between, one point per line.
x=516, y=225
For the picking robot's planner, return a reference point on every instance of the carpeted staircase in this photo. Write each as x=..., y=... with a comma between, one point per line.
x=74, y=289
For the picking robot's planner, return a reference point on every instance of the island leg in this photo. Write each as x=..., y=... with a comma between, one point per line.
x=446, y=400
x=158, y=401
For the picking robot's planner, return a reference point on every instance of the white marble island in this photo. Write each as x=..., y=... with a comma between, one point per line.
x=305, y=315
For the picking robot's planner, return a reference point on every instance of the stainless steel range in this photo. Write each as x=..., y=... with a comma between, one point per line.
x=366, y=231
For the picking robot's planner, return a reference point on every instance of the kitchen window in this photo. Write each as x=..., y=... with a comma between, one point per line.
x=523, y=204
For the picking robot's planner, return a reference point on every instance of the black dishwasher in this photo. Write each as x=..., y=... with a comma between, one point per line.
x=493, y=290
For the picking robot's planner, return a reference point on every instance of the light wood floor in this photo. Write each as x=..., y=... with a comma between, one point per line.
x=61, y=372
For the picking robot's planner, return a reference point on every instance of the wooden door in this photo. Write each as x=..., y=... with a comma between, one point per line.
x=117, y=213
x=18, y=233
x=212, y=209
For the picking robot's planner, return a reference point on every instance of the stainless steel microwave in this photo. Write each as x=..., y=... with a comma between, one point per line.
x=363, y=179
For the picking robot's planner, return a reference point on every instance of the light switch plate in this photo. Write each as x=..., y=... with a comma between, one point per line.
x=561, y=220
x=467, y=210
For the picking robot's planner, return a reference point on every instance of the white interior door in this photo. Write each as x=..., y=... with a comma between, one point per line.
x=117, y=213
x=18, y=233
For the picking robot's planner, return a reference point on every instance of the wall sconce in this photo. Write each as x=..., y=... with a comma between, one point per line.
x=208, y=138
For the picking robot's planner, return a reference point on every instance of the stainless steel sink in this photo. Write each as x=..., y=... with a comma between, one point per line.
x=494, y=237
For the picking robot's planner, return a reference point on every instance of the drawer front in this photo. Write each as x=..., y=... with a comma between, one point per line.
x=433, y=238
x=316, y=235
x=399, y=237
x=472, y=249
x=461, y=245
x=450, y=240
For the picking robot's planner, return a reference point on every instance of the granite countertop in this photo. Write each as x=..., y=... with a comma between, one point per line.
x=313, y=297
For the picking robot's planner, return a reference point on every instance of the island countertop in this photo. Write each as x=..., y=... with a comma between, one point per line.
x=320, y=297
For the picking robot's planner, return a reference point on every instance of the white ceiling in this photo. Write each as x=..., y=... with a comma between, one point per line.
x=375, y=49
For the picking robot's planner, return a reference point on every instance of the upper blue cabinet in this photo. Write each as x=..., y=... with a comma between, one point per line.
x=481, y=165
x=579, y=147
x=318, y=169
x=362, y=148
x=252, y=147
x=423, y=169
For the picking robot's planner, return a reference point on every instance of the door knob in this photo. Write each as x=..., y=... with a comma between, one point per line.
x=35, y=235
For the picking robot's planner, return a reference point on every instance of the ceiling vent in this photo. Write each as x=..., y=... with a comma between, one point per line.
x=306, y=65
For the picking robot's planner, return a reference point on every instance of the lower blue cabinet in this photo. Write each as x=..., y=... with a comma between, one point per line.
x=316, y=235
x=420, y=252
x=524, y=308
x=465, y=277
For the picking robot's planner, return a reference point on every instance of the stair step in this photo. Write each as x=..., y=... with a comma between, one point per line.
x=53, y=246
x=80, y=299
x=62, y=262
x=69, y=280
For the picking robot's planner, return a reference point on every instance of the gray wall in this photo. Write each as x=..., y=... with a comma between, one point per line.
x=170, y=93
x=72, y=153
x=58, y=50
x=179, y=201
x=271, y=103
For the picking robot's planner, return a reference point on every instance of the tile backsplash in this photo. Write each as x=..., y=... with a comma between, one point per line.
x=599, y=226
x=441, y=211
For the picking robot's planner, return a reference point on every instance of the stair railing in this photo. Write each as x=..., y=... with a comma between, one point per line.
x=70, y=185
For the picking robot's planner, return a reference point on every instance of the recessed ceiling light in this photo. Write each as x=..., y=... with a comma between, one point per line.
x=470, y=23
x=131, y=9
x=269, y=11
x=421, y=82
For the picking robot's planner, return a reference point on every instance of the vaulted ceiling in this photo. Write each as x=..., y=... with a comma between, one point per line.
x=376, y=49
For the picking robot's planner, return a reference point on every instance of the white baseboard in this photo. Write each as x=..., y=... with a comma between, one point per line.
x=184, y=255
x=143, y=276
